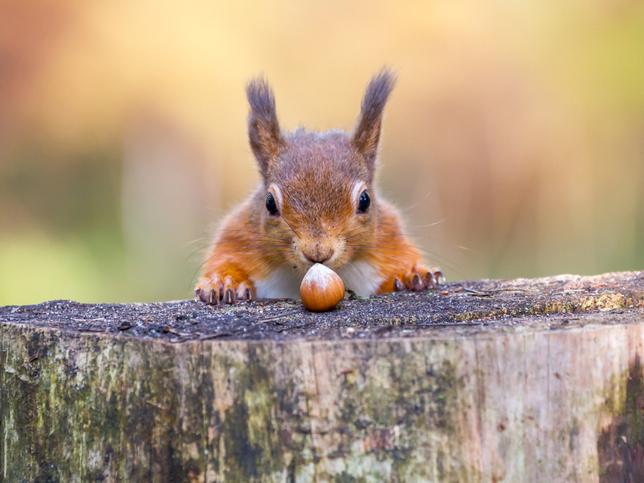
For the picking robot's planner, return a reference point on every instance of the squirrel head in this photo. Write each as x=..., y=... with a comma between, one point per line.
x=318, y=203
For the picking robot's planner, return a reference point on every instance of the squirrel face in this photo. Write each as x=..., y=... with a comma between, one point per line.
x=318, y=204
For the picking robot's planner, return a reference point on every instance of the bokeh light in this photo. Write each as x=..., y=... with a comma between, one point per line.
x=513, y=143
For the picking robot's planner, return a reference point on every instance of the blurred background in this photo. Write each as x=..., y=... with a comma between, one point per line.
x=513, y=143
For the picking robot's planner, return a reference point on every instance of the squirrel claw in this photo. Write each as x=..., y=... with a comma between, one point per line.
x=244, y=292
x=430, y=280
x=209, y=296
x=438, y=275
x=419, y=279
x=398, y=285
x=215, y=291
x=417, y=284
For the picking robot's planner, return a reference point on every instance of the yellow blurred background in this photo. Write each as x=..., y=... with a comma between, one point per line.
x=513, y=143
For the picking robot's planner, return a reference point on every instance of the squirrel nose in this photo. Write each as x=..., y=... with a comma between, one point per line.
x=319, y=255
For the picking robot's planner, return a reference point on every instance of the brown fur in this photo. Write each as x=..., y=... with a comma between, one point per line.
x=316, y=175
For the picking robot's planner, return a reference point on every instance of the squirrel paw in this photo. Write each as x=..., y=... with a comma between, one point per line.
x=419, y=278
x=217, y=290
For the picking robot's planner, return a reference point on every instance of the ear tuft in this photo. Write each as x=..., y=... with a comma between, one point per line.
x=263, y=128
x=367, y=133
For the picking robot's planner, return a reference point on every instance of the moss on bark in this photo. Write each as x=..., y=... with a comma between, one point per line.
x=528, y=397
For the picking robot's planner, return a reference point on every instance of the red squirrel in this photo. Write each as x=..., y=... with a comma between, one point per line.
x=316, y=203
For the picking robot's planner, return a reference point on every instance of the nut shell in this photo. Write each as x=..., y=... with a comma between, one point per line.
x=321, y=288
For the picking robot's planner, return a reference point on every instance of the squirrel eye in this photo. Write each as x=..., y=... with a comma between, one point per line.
x=271, y=206
x=364, y=202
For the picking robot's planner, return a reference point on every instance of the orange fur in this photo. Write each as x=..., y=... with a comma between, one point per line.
x=315, y=181
x=394, y=255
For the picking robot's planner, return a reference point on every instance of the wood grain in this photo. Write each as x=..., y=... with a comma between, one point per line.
x=493, y=393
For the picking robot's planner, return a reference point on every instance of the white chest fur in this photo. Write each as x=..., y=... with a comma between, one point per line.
x=282, y=283
x=360, y=277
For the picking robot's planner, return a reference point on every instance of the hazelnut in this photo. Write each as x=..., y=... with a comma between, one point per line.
x=321, y=288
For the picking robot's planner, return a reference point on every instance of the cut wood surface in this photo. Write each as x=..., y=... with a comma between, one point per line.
x=518, y=380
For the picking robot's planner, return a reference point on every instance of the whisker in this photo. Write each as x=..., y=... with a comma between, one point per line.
x=428, y=225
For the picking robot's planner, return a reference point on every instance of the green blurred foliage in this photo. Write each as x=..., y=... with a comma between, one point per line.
x=513, y=143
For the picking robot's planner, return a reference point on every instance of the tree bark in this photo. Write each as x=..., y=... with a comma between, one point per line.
x=520, y=380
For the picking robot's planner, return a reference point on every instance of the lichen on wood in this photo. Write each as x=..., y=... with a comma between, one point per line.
x=496, y=380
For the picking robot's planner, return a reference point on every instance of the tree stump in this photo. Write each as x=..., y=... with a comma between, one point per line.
x=520, y=380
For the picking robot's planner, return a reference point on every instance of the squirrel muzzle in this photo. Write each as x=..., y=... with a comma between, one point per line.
x=317, y=251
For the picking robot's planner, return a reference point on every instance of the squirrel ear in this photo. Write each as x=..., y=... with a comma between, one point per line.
x=367, y=133
x=263, y=128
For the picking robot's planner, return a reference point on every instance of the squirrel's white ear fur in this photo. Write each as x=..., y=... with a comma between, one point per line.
x=367, y=133
x=263, y=128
